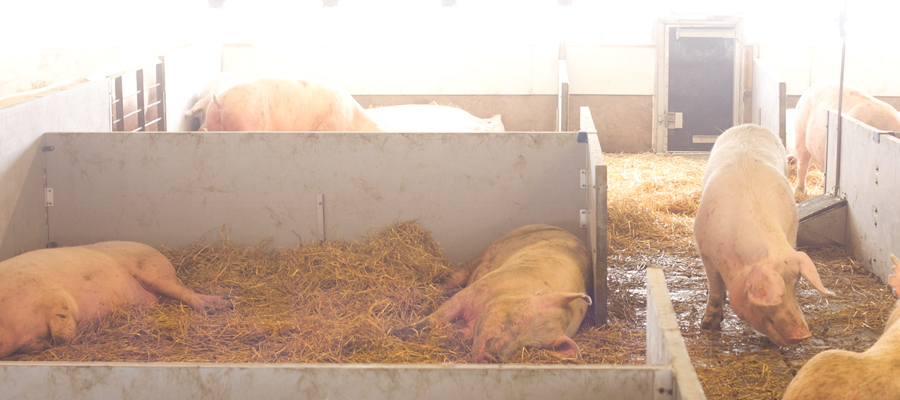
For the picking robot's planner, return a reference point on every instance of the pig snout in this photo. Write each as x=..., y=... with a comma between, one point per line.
x=488, y=351
x=785, y=333
x=482, y=357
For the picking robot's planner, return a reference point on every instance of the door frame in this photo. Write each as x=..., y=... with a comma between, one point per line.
x=723, y=27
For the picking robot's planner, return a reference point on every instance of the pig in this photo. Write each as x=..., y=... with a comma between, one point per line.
x=216, y=86
x=745, y=232
x=281, y=104
x=841, y=374
x=46, y=295
x=432, y=118
x=812, y=116
x=527, y=289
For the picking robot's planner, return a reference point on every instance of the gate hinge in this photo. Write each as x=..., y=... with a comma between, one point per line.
x=48, y=197
x=584, y=179
x=583, y=218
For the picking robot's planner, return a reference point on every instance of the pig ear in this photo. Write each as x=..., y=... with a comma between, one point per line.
x=561, y=299
x=199, y=106
x=894, y=279
x=565, y=347
x=765, y=286
x=216, y=100
x=808, y=271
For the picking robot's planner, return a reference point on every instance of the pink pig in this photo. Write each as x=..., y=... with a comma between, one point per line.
x=432, y=118
x=527, y=289
x=277, y=104
x=745, y=231
x=45, y=295
x=811, y=117
x=841, y=374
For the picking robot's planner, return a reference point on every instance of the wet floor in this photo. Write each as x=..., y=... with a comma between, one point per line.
x=736, y=362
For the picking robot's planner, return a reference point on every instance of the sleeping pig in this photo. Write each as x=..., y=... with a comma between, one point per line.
x=527, y=289
x=280, y=104
x=745, y=231
x=432, y=118
x=841, y=374
x=46, y=295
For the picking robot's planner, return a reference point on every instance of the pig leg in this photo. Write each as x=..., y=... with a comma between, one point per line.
x=803, y=161
x=456, y=281
x=712, y=319
x=157, y=275
x=199, y=302
x=450, y=311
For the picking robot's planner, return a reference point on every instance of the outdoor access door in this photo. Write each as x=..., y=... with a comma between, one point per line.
x=701, y=87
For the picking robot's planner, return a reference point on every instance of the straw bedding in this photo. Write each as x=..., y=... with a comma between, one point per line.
x=334, y=302
x=321, y=303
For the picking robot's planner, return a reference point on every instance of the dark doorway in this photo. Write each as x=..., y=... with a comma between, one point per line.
x=701, y=88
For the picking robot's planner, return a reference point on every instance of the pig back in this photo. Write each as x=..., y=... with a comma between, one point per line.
x=746, y=171
x=525, y=240
x=283, y=104
x=747, y=146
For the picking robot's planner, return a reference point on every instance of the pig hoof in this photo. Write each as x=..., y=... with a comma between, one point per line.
x=711, y=324
x=404, y=332
x=214, y=304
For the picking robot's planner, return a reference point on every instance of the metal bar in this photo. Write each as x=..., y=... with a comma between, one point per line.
x=161, y=95
x=153, y=122
x=562, y=106
x=120, y=106
x=597, y=203
x=131, y=113
x=139, y=77
x=837, y=171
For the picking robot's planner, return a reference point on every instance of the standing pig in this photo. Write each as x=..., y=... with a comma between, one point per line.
x=216, y=86
x=812, y=116
x=432, y=118
x=277, y=104
x=841, y=374
x=745, y=232
x=45, y=295
x=527, y=289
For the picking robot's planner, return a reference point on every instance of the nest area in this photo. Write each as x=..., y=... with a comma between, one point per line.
x=334, y=302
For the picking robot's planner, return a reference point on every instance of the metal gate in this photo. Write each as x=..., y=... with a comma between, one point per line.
x=698, y=98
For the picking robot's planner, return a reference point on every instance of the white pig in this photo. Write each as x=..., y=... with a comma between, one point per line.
x=745, y=231
x=432, y=118
x=812, y=116
x=527, y=289
x=47, y=294
x=841, y=374
x=281, y=104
